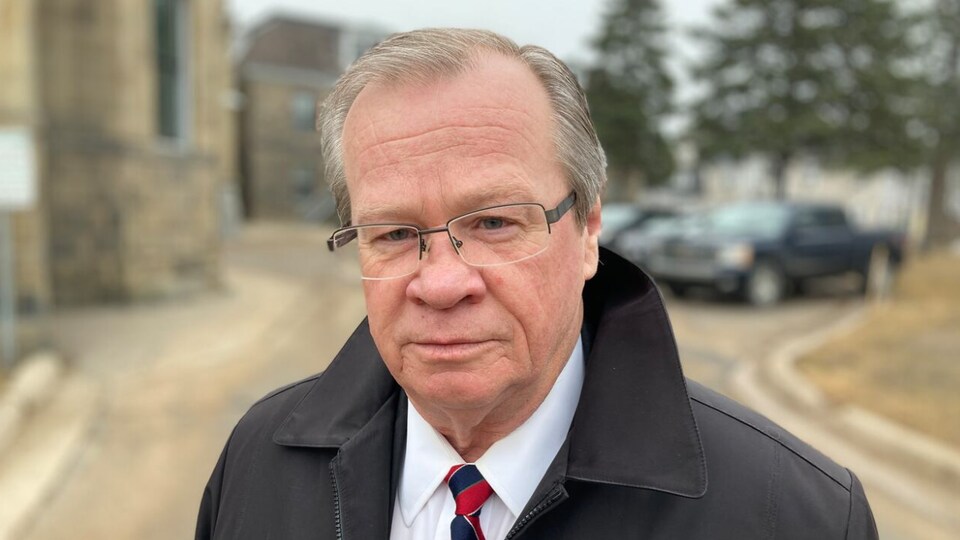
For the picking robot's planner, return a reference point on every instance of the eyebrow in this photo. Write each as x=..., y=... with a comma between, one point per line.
x=474, y=200
x=377, y=213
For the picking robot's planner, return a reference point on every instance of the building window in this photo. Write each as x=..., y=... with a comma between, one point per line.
x=303, y=110
x=172, y=84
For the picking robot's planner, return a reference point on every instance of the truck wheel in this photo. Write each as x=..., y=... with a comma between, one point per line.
x=677, y=289
x=879, y=275
x=766, y=285
x=798, y=287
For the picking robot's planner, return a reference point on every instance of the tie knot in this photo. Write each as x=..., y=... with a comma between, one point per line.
x=469, y=489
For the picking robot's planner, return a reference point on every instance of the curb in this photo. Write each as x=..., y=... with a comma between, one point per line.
x=909, y=467
x=32, y=381
x=45, y=416
x=938, y=462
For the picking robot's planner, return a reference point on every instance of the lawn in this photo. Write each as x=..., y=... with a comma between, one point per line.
x=904, y=362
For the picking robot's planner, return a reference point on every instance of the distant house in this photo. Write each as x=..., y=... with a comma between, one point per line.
x=886, y=198
x=288, y=65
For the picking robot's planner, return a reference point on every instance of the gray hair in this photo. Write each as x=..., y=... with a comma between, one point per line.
x=424, y=55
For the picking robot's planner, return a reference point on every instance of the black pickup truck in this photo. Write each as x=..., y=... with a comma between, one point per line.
x=763, y=250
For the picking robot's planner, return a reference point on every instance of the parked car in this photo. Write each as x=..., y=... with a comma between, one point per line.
x=618, y=218
x=639, y=242
x=762, y=250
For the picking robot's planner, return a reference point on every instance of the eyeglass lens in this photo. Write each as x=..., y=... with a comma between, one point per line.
x=488, y=237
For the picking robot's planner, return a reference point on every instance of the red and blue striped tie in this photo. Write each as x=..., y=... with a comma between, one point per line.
x=470, y=491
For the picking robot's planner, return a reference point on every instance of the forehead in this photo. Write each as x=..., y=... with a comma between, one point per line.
x=493, y=120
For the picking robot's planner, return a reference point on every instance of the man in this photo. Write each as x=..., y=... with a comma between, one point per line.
x=512, y=380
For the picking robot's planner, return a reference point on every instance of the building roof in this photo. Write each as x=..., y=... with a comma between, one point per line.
x=285, y=41
x=294, y=48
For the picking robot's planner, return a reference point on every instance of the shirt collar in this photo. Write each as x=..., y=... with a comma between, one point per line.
x=513, y=465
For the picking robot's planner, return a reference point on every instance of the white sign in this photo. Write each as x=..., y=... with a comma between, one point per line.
x=18, y=169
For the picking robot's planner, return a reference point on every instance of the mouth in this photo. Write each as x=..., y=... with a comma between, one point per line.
x=450, y=351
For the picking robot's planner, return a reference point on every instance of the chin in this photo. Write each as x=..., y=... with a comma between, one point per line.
x=456, y=394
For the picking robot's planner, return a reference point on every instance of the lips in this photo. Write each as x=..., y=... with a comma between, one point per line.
x=450, y=350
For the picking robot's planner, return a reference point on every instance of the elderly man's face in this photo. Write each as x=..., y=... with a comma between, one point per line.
x=455, y=336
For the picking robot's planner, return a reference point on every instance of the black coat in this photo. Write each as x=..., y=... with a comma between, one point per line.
x=649, y=455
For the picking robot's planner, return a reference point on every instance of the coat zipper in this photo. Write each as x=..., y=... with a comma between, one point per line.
x=551, y=498
x=336, y=502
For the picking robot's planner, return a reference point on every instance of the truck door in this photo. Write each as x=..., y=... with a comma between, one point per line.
x=820, y=241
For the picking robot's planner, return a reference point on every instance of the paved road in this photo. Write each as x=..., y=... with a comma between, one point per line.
x=718, y=335
x=178, y=376
x=169, y=406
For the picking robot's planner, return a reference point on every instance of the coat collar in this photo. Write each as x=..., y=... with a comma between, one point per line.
x=634, y=425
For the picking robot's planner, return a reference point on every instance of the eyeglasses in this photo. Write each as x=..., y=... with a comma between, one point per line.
x=492, y=236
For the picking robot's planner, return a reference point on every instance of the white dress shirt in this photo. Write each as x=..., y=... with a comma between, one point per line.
x=513, y=466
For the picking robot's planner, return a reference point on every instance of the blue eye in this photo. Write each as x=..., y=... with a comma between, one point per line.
x=397, y=235
x=492, y=223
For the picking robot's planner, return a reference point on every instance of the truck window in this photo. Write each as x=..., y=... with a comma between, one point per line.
x=820, y=218
x=831, y=217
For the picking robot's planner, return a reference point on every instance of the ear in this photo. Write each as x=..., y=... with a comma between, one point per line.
x=591, y=241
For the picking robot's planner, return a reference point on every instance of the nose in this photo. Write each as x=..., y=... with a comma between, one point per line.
x=443, y=279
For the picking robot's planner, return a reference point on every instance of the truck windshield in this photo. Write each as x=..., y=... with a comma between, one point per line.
x=760, y=220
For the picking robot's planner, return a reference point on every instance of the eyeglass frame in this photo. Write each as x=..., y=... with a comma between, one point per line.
x=552, y=216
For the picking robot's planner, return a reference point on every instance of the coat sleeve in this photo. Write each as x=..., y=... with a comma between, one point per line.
x=860, y=524
x=210, y=502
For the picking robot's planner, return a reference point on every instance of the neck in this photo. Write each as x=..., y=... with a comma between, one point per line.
x=472, y=431
x=473, y=441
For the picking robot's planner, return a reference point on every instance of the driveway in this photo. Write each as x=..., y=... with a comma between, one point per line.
x=718, y=337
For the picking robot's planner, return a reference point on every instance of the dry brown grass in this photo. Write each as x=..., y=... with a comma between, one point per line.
x=904, y=363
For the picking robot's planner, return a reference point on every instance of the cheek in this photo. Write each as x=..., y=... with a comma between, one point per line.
x=535, y=296
x=562, y=283
x=384, y=302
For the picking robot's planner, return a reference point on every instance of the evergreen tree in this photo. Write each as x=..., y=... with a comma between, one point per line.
x=630, y=93
x=806, y=77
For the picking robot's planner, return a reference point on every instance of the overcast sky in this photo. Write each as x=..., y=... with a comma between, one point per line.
x=564, y=27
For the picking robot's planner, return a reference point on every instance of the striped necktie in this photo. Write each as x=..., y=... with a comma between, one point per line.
x=470, y=491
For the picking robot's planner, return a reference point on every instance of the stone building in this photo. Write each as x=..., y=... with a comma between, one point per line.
x=126, y=106
x=287, y=65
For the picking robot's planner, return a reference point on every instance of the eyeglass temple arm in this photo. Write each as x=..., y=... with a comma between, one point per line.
x=554, y=215
x=341, y=240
